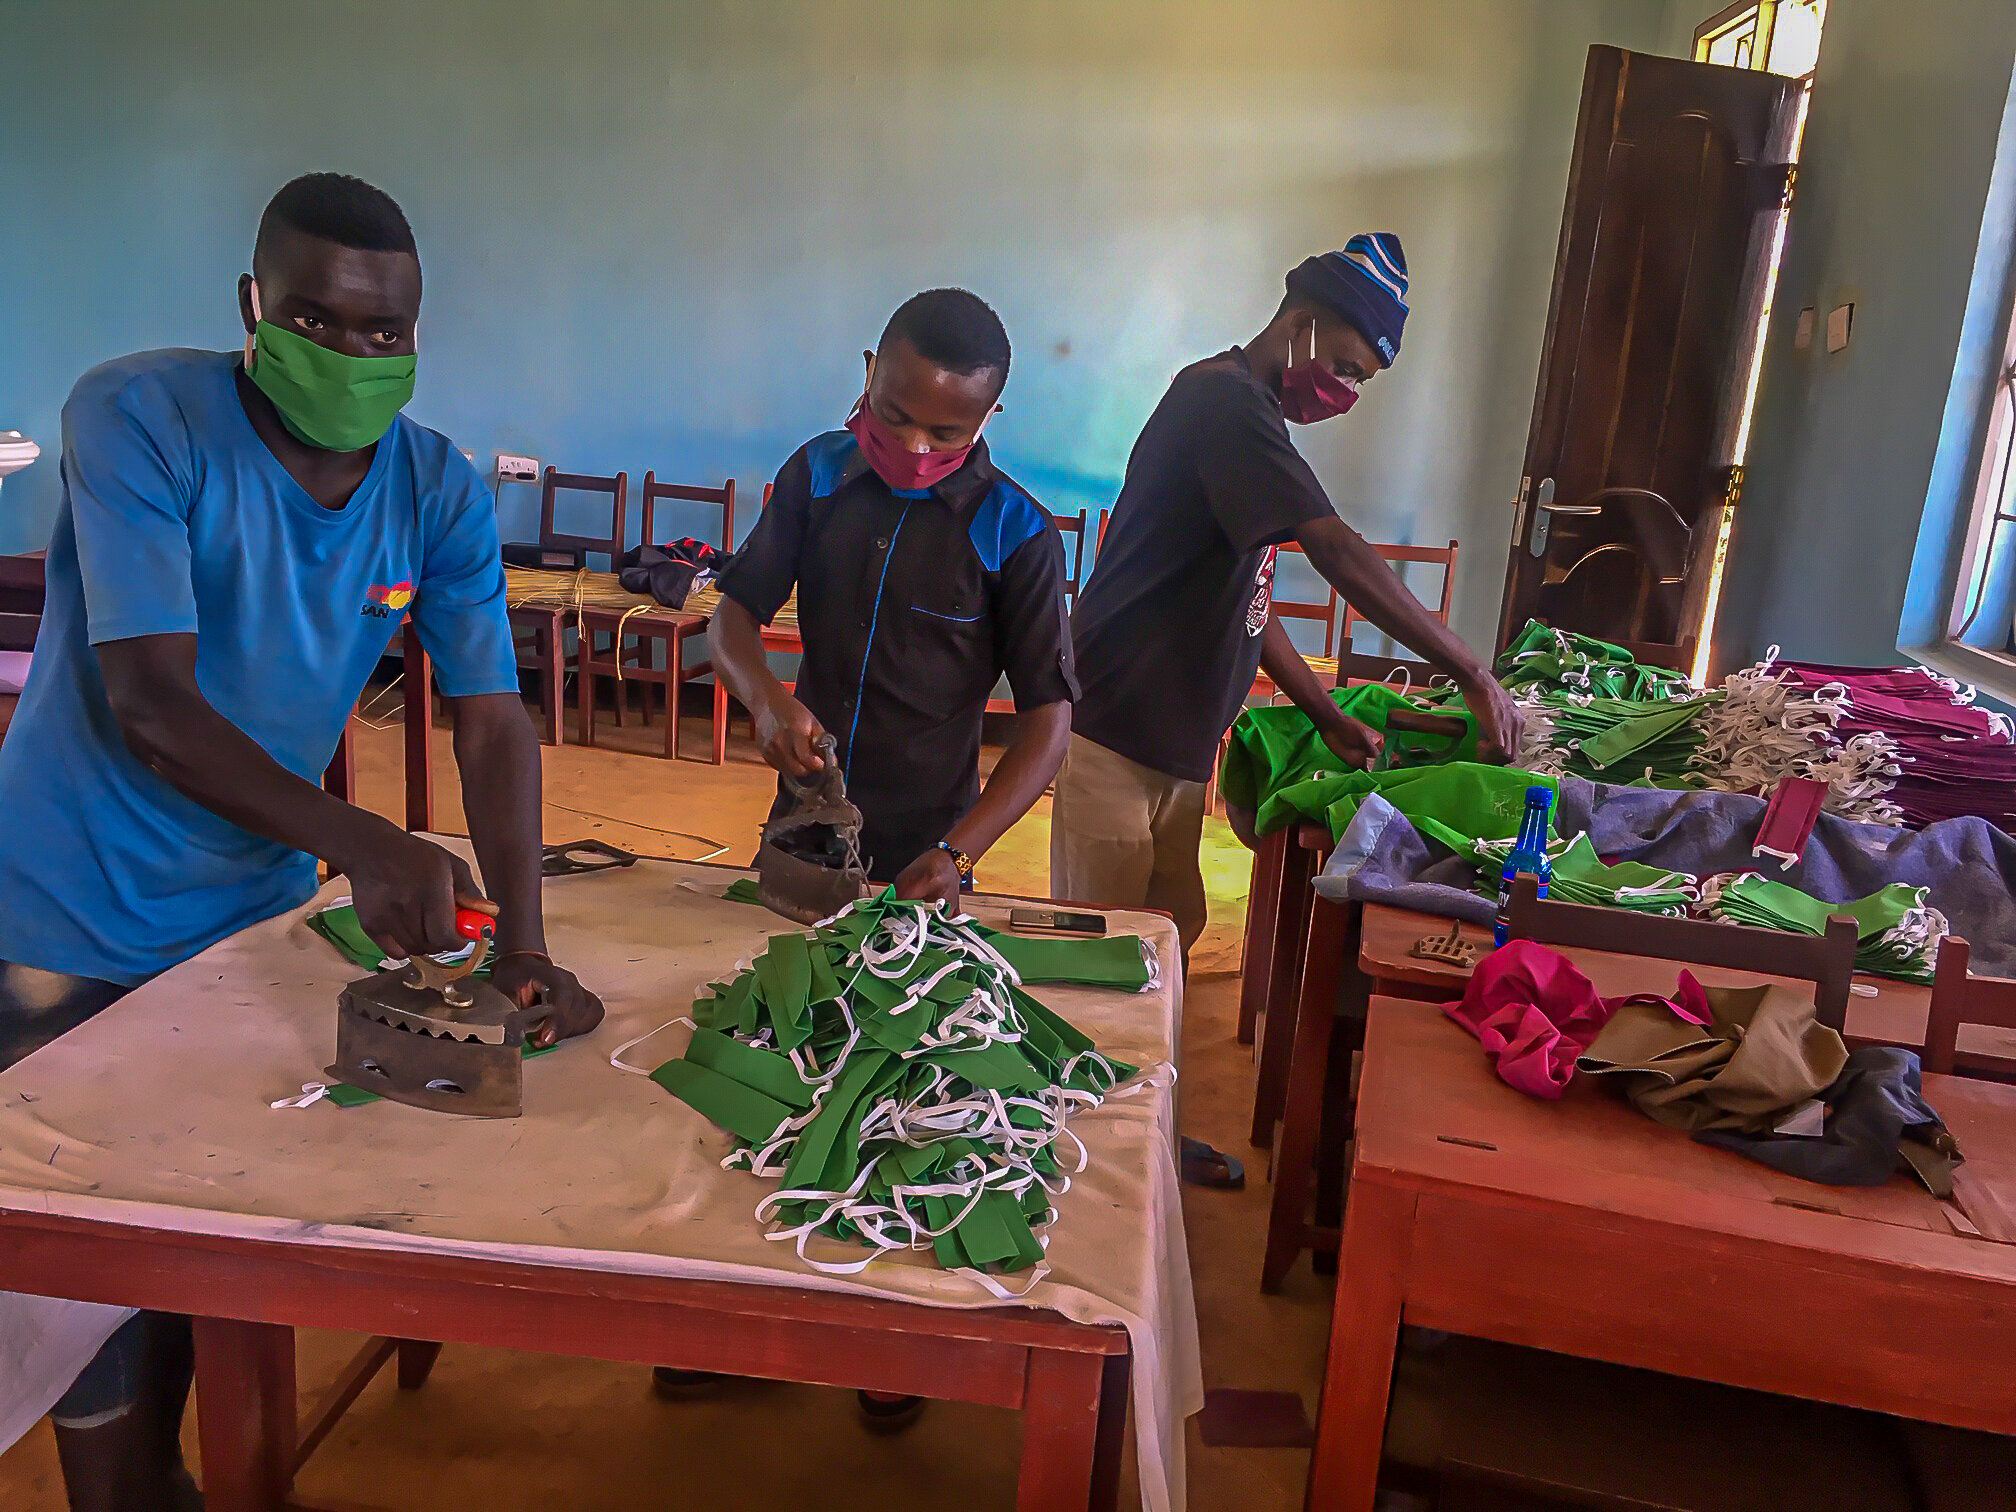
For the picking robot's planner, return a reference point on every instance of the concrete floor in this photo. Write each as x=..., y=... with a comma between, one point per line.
x=498, y=1431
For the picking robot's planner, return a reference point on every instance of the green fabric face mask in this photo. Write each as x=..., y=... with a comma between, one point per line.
x=329, y=399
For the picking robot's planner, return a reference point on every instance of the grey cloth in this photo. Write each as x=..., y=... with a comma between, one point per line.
x=1968, y=865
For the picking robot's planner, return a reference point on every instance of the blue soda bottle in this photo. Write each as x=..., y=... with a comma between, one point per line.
x=1528, y=858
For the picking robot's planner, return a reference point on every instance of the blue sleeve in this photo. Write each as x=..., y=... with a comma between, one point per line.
x=128, y=476
x=458, y=604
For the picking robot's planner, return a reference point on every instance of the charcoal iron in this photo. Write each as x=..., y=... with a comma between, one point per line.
x=808, y=867
x=430, y=1035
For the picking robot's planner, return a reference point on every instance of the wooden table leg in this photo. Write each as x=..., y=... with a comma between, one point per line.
x=1302, y=1107
x=419, y=732
x=416, y=1362
x=1270, y=1081
x=1109, y=1454
x=553, y=674
x=1364, y=1333
x=584, y=686
x=1263, y=902
x=245, y=1414
x=1060, y=1431
x=720, y=719
x=675, y=685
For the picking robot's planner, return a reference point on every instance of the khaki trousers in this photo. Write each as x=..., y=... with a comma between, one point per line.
x=1123, y=835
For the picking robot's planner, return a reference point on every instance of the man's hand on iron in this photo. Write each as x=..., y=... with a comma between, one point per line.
x=787, y=732
x=528, y=979
x=932, y=878
x=1500, y=725
x=1354, y=742
x=405, y=890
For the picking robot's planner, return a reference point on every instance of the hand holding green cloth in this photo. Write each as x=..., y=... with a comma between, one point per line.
x=338, y=925
x=1897, y=933
x=1274, y=749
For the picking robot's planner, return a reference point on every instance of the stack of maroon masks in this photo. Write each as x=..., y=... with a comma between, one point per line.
x=1955, y=759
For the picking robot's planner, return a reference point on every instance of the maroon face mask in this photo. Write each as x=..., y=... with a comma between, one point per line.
x=1311, y=392
x=905, y=471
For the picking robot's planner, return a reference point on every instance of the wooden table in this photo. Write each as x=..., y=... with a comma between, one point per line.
x=254, y=1265
x=1069, y=1380
x=1582, y=1227
x=1881, y=1012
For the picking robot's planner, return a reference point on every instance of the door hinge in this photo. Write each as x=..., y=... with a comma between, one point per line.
x=1732, y=485
x=1772, y=184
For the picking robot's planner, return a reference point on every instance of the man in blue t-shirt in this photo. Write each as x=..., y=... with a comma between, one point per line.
x=237, y=543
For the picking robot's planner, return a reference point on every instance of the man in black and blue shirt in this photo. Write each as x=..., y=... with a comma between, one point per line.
x=924, y=573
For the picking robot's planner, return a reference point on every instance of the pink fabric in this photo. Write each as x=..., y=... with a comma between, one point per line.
x=1534, y=1012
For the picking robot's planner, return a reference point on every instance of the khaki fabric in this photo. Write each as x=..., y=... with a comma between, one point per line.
x=1123, y=835
x=1764, y=1056
x=155, y=1113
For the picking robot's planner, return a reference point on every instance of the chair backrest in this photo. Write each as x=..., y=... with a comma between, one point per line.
x=618, y=490
x=1322, y=611
x=1445, y=556
x=723, y=497
x=22, y=596
x=1105, y=519
x=1356, y=667
x=1959, y=998
x=1827, y=961
x=1073, y=526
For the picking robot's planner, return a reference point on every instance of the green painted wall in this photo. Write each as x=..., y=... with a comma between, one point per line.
x=659, y=235
x=1861, y=459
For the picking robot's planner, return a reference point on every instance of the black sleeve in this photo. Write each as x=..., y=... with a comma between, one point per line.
x=1033, y=628
x=1260, y=488
x=765, y=569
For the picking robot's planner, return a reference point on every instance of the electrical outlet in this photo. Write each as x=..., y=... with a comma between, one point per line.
x=517, y=469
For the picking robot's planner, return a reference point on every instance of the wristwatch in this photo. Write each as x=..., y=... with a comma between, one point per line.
x=960, y=860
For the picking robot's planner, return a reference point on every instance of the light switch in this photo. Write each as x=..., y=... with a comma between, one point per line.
x=1839, y=319
x=1802, y=333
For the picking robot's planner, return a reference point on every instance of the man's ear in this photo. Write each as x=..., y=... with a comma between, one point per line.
x=245, y=312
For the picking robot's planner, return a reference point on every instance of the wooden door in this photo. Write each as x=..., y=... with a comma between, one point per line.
x=1678, y=171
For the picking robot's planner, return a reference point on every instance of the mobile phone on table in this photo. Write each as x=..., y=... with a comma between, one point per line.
x=1056, y=921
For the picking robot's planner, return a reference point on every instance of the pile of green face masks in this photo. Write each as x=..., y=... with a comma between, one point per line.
x=1557, y=661
x=889, y=1068
x=1581, y=876
x=1897, y=934
x=1625, y=741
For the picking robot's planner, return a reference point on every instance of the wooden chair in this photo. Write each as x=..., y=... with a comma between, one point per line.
x=542, y=645
x=1827, y=961
x=1959, y=999
x=632, y=655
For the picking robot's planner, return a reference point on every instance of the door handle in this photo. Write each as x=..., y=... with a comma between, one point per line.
x=1543, y=516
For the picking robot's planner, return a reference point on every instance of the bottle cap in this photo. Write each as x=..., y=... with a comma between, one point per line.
x=1539, y=794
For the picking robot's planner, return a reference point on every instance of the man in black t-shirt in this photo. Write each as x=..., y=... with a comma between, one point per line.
x=1178, y=615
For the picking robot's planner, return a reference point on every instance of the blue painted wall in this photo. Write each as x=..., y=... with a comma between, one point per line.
x=1861, y=460
x=659, y=235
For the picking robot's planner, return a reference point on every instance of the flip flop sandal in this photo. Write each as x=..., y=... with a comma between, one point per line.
x=1207, y=1167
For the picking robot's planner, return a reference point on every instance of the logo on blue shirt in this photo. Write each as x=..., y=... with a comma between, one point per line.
x=382, y=602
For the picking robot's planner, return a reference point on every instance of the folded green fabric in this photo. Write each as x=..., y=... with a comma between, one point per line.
x=901, y=1087
x=1897, y=932
x=1556, y=661
x=1456, y=805
x=1581, y=876
x=1272, y=750
x=1125, y=963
